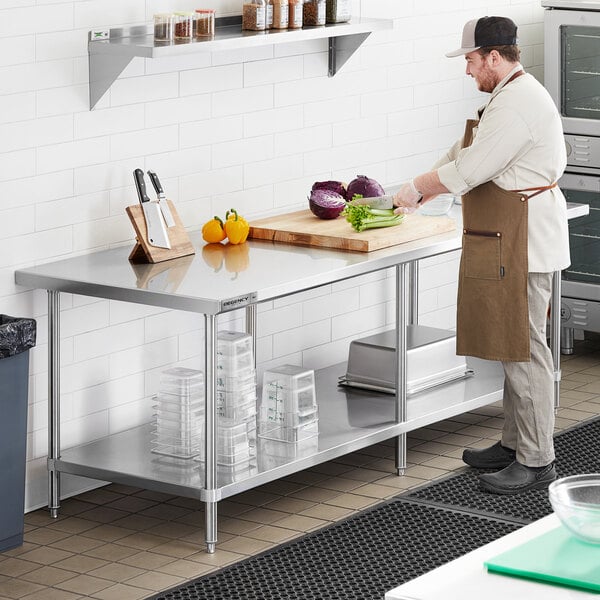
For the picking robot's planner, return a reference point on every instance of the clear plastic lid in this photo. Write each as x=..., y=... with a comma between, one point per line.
x=182, y=381
x=290, y=377
x=182, y=374
x=234, y=342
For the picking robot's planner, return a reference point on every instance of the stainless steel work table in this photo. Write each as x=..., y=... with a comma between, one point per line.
x=349, y=419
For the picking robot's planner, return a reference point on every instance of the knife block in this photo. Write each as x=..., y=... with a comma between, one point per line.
x=143, y=252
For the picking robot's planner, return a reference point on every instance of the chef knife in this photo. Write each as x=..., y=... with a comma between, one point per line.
x=375, y=201
x=386, y=201
x=162, y=199
x=157, y=231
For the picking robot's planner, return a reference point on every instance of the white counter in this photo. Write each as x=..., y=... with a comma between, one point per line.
x=466, y=578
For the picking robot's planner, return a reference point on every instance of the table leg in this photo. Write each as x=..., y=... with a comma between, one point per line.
x=401, y=363
x=413, y=287
x=251, y=327
x=210, y=438
x=53, y=401
x=555, y=327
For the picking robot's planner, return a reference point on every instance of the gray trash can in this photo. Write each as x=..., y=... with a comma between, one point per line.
x=17, y=336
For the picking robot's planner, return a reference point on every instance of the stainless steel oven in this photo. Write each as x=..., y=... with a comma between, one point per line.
x=572, y=64
x=572, y=77
x=580, y=307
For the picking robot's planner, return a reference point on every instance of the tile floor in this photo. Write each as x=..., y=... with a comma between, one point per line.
x=121, y=543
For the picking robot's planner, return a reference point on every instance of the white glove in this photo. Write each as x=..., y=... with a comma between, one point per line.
x=407, y=199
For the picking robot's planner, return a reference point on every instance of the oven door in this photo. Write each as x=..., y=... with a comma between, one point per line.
x=582, y=278
x=572, y=67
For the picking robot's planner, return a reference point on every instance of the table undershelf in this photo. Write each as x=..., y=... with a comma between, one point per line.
x=349, y=419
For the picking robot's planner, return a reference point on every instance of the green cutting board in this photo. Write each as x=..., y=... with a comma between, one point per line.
x=554, y=557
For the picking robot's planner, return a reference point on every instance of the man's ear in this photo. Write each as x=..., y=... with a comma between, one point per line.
x=496, y=58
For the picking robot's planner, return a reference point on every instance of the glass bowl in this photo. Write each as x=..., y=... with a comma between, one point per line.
x=576, y=502
x=438, y=207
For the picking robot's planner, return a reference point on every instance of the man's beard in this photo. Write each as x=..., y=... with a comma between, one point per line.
x=487, y=80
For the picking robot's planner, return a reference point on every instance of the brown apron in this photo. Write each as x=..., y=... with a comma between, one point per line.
x=492, y=312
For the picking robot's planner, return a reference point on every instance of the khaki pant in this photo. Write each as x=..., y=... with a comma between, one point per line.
x=529, y=386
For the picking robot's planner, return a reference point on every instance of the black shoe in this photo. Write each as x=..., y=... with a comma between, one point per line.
x=494, y=457
x=517, y=478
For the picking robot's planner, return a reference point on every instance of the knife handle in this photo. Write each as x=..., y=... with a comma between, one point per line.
x=140, y=185
x=155, y=182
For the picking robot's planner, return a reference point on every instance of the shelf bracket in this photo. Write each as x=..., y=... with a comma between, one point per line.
x=104, y=69
x=341, y=48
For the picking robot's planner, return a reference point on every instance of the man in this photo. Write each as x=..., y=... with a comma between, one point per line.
x=515, y=236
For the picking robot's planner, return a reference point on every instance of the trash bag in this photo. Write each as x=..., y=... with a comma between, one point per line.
x=16, y=335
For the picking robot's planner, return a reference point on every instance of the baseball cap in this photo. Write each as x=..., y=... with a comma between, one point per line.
x=486, y=31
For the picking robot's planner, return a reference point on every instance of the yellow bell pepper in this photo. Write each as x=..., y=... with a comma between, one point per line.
x=213, y=231
x=233, y=214
x=236, y=227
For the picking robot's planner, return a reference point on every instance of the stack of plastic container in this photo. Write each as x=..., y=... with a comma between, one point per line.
x=178, y=424
x=236, y=376
x=236, y=402
x=288, y=412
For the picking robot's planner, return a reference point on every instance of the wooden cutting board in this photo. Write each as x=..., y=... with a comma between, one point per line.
x=303, y=228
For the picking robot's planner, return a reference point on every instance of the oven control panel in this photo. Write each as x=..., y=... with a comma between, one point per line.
x=579, y=182
x=583, y=150
x=580, y=314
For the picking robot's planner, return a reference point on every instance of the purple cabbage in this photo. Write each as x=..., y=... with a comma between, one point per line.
x=326, y=204
x=335, y=186
x=365, y=187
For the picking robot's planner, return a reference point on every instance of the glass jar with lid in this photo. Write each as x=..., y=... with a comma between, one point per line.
x=280, y=14
x=313, y=12
x=338, y=11
x=254, y=15
x=184, y=25
x=163, y=27
x=269, y=15
x=204, y=25
x=295, y=14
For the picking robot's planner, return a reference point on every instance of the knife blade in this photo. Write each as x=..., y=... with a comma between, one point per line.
x=157, y=231
x=162, y=199
x=376, y=201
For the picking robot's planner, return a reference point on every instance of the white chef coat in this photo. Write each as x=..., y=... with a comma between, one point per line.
x=519, y=144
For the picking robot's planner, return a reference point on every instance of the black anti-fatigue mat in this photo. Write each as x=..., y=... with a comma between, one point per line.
x=577, y=451
x=360, y=558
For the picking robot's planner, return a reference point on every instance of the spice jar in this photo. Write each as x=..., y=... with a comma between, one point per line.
x=269, y=13
x=204, y=22
x=314, y=12
x=163, y=27
x=254, y=15
x=280, y=14
x=184, y=25
x=338, y=11
x=295, y=14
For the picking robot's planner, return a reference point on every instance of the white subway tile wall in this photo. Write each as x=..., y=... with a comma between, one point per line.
x=251, y=129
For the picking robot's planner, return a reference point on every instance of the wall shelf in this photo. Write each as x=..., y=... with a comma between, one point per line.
x=111, y=50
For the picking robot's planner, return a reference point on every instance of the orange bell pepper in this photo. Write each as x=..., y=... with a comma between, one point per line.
x=213, y=231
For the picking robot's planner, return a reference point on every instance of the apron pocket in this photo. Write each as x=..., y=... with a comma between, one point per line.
x=482, y=254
